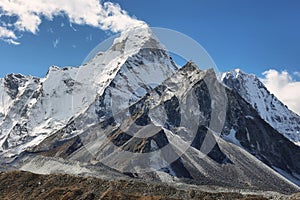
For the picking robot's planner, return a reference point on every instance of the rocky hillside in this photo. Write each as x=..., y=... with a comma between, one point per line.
x=24, y=185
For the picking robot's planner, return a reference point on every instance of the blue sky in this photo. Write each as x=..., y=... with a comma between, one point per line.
x=252, y=35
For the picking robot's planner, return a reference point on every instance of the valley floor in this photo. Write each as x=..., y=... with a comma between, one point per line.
x=25, y=185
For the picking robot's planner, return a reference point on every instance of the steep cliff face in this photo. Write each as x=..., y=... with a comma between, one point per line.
x=266, y=104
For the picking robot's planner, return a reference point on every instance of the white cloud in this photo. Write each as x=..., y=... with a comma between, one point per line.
x=108, y=16
x=282, y=85
x=5, y=33
x=8, y=36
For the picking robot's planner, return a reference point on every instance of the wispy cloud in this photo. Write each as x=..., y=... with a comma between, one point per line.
x=8, y=36
x=11, y=41
x=106, y=16
x=89, y=38
x=72, y=27
x=50, y=30
x=297, y=74
x=283, y=86
x=55, y=43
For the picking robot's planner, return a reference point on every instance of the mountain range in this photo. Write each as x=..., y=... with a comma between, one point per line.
x=131, y=113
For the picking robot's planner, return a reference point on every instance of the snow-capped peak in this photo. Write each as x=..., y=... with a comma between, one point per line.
x=268, y=106
x=132, y=40
x=33, y=108
x=130, y=47
x=236, y=73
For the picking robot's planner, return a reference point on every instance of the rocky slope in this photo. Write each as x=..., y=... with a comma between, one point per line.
x=24, y=185
x=266, y=104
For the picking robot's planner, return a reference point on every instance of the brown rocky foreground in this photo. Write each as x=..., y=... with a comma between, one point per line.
x=25, y=185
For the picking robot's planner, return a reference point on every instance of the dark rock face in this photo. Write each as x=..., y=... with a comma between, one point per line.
x=12, y=83
x=172, y=108
x=259, y=138
x=215, y=154
x=270, y=109
x=178, y=169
